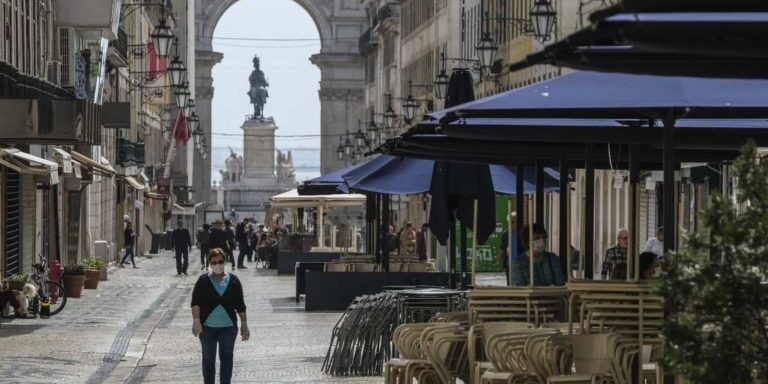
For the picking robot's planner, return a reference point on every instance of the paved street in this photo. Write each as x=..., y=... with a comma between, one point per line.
x=136, y=328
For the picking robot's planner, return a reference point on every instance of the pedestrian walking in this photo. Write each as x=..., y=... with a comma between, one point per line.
x=242, y=243
x=203, y=242
x=182, y=244
x=217, y=300
x=261, y=243
x=230, y=242
x=218, y=238
x=128, y=238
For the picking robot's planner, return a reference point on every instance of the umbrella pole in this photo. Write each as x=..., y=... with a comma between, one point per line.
x=509, y=242
x=452, y=254
x=474, y=246
x=530, y=243
x=463, y=242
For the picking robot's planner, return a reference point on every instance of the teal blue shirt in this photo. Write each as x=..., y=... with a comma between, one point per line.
x=546, y=271
x=219, y=318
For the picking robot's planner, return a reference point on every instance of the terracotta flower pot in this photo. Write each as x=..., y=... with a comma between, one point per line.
x=92, y=277
x=73, y=284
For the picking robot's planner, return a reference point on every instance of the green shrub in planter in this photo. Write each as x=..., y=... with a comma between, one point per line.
x=74, y=278
x=74, y=270
x=17, y=281
x=93, y=263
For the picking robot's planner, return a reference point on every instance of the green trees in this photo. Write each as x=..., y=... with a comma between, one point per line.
x=716, y=289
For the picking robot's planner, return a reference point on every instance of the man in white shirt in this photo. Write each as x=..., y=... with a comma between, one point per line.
x=656, y=244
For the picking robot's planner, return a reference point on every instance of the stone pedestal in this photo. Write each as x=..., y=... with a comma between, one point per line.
x=259, y=149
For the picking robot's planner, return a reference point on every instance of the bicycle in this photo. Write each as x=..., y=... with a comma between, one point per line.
x=48, y=291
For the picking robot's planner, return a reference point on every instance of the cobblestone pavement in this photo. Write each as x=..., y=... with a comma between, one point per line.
x=136, y=328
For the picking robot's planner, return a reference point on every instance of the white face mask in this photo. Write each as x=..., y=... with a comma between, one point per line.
x=218, y=269
x=539, y=246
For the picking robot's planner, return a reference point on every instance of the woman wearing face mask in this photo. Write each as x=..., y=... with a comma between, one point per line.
x=216, y=298
x=546, y=265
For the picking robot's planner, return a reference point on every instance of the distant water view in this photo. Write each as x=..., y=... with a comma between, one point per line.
x=306, y=161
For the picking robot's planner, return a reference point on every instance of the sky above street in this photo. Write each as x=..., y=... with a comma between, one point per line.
x=284, y=36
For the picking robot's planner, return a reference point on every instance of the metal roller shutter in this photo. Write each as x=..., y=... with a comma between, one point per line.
x=12, y=222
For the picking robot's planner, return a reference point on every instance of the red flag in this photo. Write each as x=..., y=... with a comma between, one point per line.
x=180, y=131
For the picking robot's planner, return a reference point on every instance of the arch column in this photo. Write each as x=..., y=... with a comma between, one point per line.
x=341, y=102
x=205, y=61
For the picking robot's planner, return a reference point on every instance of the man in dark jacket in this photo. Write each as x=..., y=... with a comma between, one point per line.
x=230, y=242
x=203, y=242
x=242, y=243
x=218, y=237
x=182, y=244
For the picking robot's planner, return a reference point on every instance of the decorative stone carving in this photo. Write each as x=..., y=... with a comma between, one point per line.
x=285, y=170
x=234, y=164
x=335, y=94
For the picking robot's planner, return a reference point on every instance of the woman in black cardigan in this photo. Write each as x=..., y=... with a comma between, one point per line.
x=216, y=298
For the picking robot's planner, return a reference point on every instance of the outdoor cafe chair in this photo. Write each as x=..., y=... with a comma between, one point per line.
x=598, y=359
x=411, y=341
x=506, y=351
x=365, y=267
x=336, y=267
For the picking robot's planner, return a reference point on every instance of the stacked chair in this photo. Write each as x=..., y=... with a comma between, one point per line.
x=432, y=352
x=627, y=309
x=360, y=342
x=536, y=306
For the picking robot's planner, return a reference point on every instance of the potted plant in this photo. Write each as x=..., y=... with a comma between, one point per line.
x=92, y=272
x=17, y=281
x=74, y=277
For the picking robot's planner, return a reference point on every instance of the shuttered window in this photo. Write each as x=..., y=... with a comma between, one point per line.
x=12, y=222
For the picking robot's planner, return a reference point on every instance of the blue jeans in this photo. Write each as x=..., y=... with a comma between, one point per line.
x=225, y=339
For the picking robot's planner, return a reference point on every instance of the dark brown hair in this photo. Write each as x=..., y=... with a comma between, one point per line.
x=215, y=253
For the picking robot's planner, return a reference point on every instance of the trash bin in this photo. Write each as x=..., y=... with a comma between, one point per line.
x=155, y=247
x=165, y=241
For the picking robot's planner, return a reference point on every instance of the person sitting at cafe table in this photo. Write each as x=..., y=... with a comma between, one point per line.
x=546, y=265
x=648, y=263
x=617, y=254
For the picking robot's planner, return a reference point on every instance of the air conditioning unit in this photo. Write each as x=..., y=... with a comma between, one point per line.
x=65, y=37
x=54, y=71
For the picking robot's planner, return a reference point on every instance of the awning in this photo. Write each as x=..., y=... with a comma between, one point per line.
x=64, y=159
x=292, y=199
x=406, y=176
x=155, y=195
x=328, y=184
x=101, y=167
x=135, y=184
x=23, y=162
x=673, y=37
x=185, y=210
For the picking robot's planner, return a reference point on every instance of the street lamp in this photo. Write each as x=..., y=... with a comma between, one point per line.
x=347, y=146
x=189, y=108
x=359, y=136
x=543, y=16
x=177, y=71
x=441, y=84
x=182, y=95
x=373, y=130
x=486, y=50
x=162, y=37
x=194, y=126
x=409, y=108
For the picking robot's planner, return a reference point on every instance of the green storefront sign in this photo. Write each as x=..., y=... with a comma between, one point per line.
x=487, y=253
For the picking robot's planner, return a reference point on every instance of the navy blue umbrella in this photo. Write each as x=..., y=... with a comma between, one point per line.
x=397, y=175
x=455, y=186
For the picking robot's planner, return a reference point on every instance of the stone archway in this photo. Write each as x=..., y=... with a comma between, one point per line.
x=340, y=23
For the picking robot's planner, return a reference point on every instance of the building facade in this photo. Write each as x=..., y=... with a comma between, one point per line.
x=85, y=99
x=408, y=42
